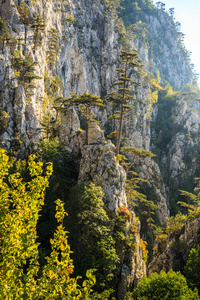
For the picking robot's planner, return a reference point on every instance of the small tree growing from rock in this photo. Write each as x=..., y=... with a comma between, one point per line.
x=38, y=26
x=85, y=102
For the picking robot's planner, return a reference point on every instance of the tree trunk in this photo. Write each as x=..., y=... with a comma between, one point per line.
x=86, y=127
x=121, y=117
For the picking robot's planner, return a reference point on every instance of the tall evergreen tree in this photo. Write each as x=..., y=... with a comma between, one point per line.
x=38, y=27
x=122, y=96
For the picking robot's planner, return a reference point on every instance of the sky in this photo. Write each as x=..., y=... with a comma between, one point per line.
x=187, y=12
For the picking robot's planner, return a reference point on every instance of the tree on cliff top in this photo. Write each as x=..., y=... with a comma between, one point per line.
x=85, y=102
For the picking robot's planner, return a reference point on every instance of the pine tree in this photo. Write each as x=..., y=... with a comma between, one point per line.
x=85, y=102
x=193, y=205
x=25, y=67
x=48, y=124
x=137, y=154
x=4, y=34
x=54, y=47
x=122, y=96
x=38, y=26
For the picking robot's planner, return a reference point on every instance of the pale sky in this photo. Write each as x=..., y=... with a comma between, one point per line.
x=187, y=12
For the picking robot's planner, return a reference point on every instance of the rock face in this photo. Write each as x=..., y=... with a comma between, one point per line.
x=178, y=140
x=69, y=132
x=99, y=165
x=177, y=247
x=168, y=54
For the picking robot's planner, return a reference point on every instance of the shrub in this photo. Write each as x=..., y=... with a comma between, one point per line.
x=165, y=286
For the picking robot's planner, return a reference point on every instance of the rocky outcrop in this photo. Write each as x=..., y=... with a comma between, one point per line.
x=99, y=165
x=173, y=254
x=69, y=133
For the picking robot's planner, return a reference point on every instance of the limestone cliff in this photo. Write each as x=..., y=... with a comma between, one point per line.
x=160, y=41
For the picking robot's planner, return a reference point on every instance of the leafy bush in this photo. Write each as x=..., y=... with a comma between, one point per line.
x=164, y=286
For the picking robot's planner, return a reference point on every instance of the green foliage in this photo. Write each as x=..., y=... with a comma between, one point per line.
x=53, y=86
x=163, y=286
x=86, y=102
x=20, y=204
x=133, y=11
x=51, y=101
x=191, y=270
x=143, y=245
x=48, y=124
x=164, y=126
x=65, y=176
x=121, y=30
x=175, y=223
x=132, y=193
x=143, y=207
x=25, y=18
x=160, y=238
x=113, y=6
x=2, y=26
x=193, y=208
x=123, y=232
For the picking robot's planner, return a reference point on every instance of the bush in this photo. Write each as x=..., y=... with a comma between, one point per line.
x=165, y=286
